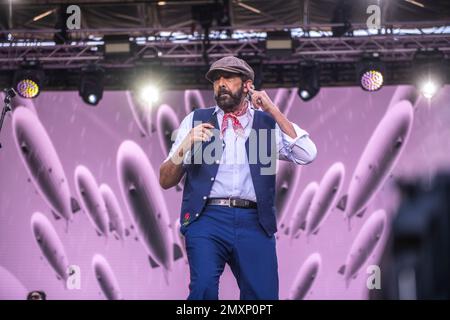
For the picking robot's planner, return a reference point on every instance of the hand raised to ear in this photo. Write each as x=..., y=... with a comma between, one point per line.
x=261, y=100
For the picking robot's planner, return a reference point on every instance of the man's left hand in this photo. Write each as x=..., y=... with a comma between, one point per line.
x=261, y=100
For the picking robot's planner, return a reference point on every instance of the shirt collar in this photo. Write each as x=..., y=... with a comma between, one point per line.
x=243, y=119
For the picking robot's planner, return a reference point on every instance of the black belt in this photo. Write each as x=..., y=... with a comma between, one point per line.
x=232, y=202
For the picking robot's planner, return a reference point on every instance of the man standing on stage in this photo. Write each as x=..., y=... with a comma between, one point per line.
x=228, y=210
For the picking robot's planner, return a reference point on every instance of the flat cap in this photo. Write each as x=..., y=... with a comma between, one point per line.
x=230, y=64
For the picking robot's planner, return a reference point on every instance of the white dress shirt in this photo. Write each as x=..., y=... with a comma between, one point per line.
x=233, y=177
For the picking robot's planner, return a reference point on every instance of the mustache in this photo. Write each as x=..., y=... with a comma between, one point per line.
x=223, y=91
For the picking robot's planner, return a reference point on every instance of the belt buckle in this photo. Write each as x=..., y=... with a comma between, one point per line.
x=231, y=202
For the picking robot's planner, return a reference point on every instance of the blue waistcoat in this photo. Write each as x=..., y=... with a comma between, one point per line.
x=200, y=177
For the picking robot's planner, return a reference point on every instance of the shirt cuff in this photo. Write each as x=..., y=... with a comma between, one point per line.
x=186, y=158
x=288, y=141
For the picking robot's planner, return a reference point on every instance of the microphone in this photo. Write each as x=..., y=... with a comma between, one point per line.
x=198, y=147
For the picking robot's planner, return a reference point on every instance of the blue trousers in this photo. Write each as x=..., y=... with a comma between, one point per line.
x=231, y=235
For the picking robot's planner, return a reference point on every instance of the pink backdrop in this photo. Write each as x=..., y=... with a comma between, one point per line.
x=339, y=120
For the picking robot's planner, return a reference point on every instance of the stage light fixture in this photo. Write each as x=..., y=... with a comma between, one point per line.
x=371, y=73
x=28, y=80
x=279, y=43
x=91, y=85
x=309, y=82
x=117, y=46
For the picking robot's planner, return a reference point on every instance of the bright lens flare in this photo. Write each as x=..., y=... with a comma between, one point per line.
x=429, y=89
x=149, y=94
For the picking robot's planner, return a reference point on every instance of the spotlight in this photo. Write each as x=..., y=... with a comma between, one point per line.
x=27, y=88
x=91, y=85
x=429, y=89
x=148, y=82
x=371, y=74
x=372, y=80
x=93, y=98
x=304, y=94
x=28, y=80
x=429, y=72
x=149, y=94
x=309, y=83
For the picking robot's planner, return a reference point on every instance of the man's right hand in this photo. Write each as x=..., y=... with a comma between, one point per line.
x=171, y=171
x=202, y=132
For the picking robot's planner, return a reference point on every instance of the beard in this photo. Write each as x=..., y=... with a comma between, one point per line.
x=228, y=101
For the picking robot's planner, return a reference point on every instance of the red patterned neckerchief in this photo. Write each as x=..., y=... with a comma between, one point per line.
x=237, y=126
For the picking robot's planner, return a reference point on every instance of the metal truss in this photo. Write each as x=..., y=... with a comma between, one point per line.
x=389, y=48
x=180, y=48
